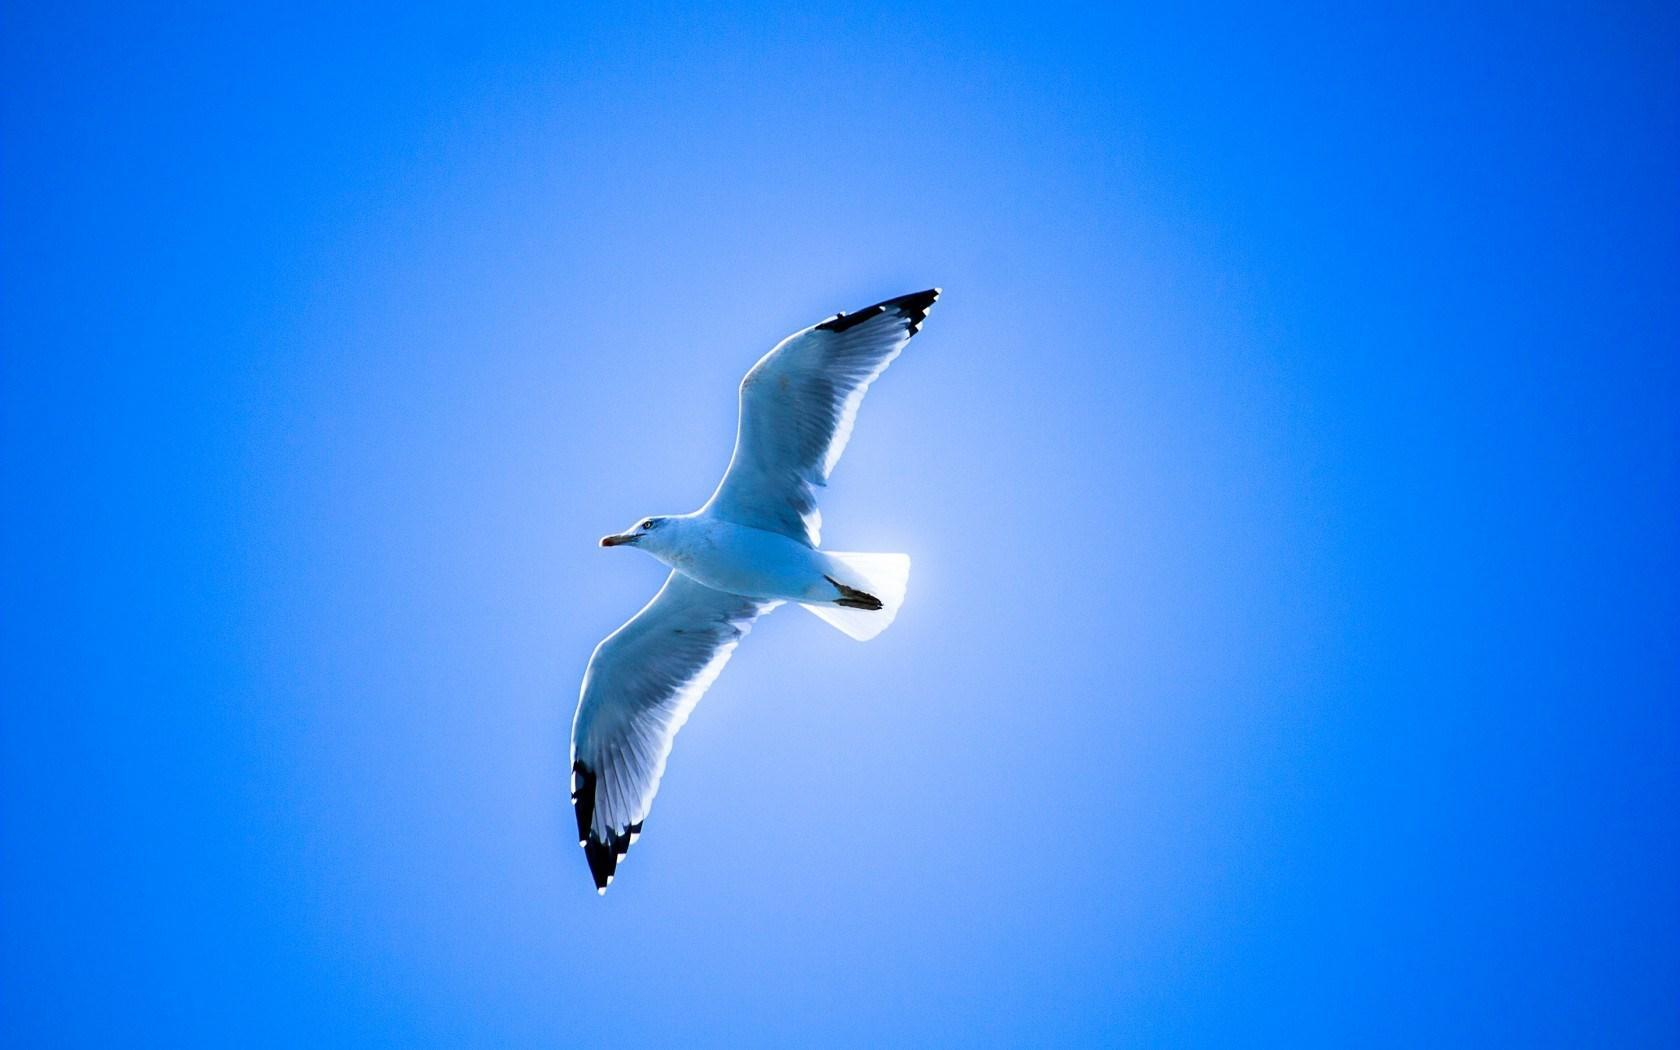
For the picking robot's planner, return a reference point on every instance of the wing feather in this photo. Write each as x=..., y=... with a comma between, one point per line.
x=798, y=406
x=642, y=682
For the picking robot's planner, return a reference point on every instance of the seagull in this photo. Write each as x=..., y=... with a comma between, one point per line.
x=753, y=546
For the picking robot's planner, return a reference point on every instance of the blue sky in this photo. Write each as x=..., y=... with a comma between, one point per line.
x=1290, y=471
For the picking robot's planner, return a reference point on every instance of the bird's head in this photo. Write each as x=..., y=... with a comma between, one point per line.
x=636, y=535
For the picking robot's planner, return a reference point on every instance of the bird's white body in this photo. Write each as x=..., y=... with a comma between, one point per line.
x=744, y=560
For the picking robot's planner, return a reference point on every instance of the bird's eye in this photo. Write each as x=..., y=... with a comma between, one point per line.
x=648, y=524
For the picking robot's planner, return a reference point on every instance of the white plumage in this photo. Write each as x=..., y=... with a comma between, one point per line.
x=751, y=547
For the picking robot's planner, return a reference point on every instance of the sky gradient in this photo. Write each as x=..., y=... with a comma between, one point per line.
x=1290, y=470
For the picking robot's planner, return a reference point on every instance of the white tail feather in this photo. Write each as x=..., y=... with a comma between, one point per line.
x=884, y=575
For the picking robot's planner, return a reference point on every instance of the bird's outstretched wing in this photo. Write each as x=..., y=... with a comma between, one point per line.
x=641, y=684
x=798, y=404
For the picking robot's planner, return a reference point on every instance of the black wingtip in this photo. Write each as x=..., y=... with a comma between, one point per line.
x=913, y=307
x=603, y=855
x=583, y=797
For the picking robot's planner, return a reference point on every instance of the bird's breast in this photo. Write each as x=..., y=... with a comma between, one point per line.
x=752, y=562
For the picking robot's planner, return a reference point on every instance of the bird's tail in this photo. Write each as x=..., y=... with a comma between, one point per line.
x=871, y=587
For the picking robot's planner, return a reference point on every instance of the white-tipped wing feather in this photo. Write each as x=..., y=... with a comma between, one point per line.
x=641, y=684
x=798, y=404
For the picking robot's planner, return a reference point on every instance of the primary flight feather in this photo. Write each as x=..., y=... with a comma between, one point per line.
x=750, y=548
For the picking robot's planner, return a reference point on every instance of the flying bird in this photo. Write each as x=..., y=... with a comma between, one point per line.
x=753, y=546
